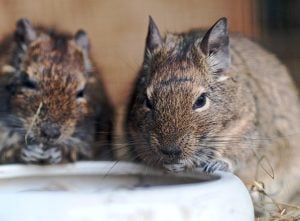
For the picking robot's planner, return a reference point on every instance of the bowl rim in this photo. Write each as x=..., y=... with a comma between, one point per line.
x=104, y=168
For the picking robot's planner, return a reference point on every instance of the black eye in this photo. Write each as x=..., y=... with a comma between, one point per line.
x=80, y=93
x=148, y=103
x=200, y=102
x=27, y=83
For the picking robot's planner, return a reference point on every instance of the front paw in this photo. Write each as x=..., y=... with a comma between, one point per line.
x=37, y=154
x=9, y=155
x=70, y=154
x=212, y=166
x=75, y=153
x=175, y=167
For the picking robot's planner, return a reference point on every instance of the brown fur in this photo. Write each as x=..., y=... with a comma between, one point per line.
x=55, y=68
x=252, y=113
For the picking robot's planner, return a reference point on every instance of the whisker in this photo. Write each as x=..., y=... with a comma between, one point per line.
x=109, y=170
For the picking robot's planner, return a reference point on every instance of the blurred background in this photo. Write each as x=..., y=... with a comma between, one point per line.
x=117, y=28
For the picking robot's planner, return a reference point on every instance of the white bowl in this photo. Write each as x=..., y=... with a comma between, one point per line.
x=96, y=191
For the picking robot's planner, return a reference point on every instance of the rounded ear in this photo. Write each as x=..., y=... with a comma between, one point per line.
x=153, y=40
x=82, y=40
x=24, y=31
x=215, y=45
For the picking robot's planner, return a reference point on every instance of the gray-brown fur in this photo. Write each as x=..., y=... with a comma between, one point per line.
x=251, y=113
x=45, y=67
